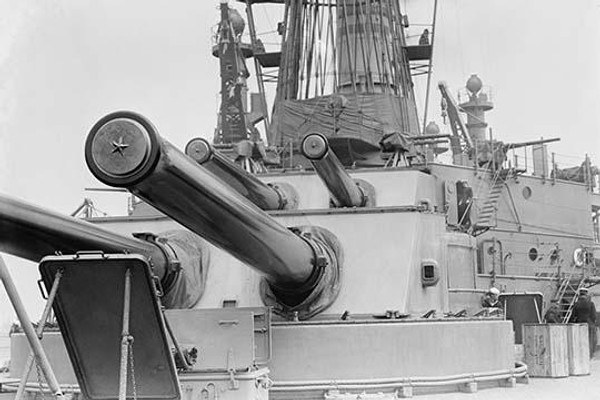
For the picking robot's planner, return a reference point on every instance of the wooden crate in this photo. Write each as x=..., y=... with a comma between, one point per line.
x=546, y=350
x=579, y=349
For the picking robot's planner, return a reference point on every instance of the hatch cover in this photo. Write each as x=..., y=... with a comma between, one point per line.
x=522, y=308
x=89, y=310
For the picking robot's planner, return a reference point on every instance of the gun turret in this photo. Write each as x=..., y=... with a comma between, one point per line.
x=300, y=265
x=31, y=232
x=344, y=191
x=278, y=196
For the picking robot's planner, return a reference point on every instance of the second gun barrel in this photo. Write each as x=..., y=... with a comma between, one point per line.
x=31, y=232
x=344, y=191
x=265, y=196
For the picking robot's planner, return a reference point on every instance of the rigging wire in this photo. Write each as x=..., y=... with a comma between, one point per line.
x=268, y=18
x=378, y=61
x=459, y=46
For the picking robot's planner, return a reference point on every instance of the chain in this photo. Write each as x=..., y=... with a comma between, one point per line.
x=40, y=378
x=133, y=385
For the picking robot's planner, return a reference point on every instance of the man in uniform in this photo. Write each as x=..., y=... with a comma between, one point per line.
x=424, y=39
x=584, y=311
x=552, y=315
x=490, y=299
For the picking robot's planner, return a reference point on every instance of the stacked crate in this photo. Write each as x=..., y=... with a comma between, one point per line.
x=556, y=350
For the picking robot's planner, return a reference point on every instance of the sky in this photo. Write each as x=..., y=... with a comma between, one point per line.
x=64, y=64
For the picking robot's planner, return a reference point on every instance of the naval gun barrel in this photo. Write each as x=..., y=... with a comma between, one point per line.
x=32, y=232
x=344, y=191
x=266, y=196
x=123, y=149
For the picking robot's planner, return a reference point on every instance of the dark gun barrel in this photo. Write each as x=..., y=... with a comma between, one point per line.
x=123, y=149
x=31, y=232
x=344, y=191
x=265, y=196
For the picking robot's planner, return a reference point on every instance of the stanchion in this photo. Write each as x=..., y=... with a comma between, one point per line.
x=34, y=341
x=39, y=332
x=126, y=339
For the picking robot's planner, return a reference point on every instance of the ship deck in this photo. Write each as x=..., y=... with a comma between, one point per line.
x=573, y=387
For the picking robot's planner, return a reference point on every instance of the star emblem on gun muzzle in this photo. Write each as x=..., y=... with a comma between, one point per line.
x=119, y=146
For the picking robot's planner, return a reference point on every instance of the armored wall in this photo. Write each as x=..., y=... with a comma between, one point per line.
x=393, y=186
x=361, y=352
x=369, y=350
x=380, y=246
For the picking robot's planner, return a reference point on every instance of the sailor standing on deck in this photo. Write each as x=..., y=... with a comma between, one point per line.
x=584, y=311
x=424, y=39
x=552, y=315
x=490, y=299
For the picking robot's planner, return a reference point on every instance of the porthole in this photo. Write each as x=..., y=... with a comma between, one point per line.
x=533, y=254
x=527, y=192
